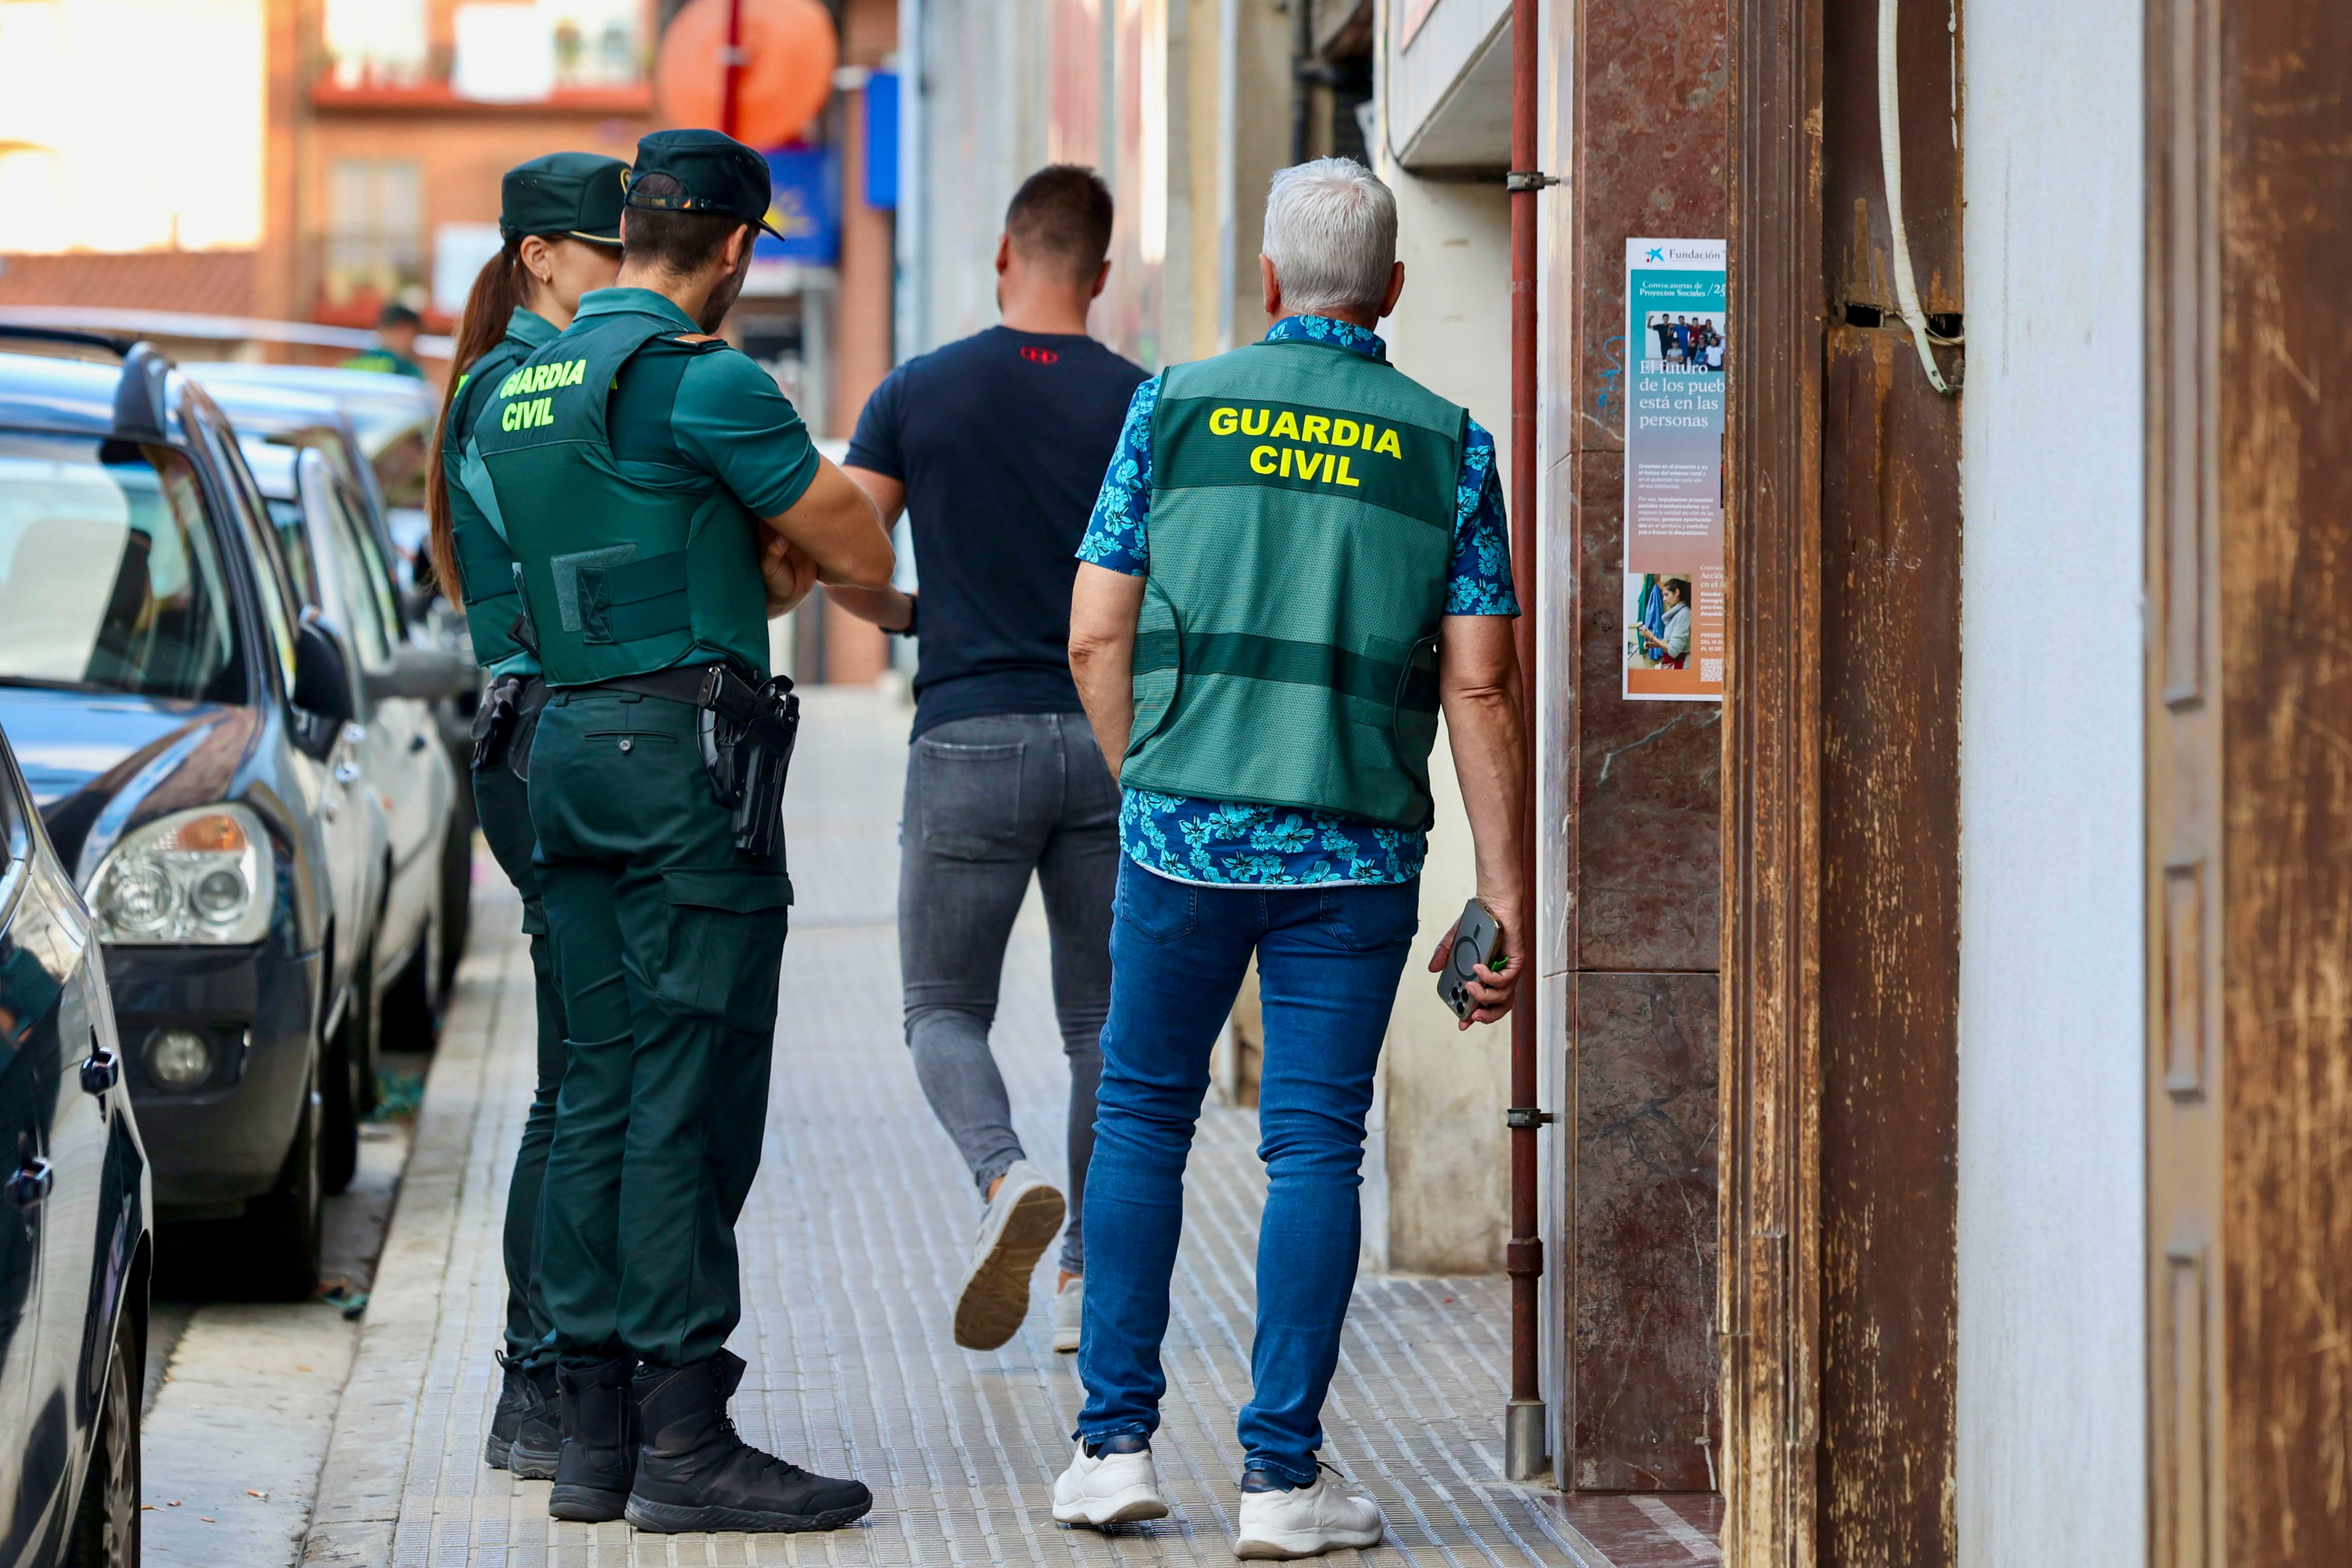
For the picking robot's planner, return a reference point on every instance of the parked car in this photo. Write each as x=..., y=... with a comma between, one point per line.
x=76, y=1242
x=390, y=420
x=188, y=736
x=412, y=915
x=393, y=417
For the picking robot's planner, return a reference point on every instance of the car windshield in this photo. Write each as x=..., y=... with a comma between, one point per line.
x=108, y=575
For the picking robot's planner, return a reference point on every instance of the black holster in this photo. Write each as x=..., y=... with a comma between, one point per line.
x=747, y=749
x=505, y=720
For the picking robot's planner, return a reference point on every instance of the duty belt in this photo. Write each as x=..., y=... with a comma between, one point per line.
x=747, y=734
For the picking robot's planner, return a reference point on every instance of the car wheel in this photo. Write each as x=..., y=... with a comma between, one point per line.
x=106, y=1524
x=409, y=1021
x=346, y=1094
x=281, y=1229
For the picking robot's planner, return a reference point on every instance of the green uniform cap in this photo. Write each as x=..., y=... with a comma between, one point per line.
x=719, y=175
x=576, y=194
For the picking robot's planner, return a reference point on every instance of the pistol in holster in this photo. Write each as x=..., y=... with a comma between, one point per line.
x=495, y=720
x=505, y=722
x=747, y=734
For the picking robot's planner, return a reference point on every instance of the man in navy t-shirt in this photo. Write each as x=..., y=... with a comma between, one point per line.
x=995, y=447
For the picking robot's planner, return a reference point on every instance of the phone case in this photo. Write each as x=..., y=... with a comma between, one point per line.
x=1476, y=940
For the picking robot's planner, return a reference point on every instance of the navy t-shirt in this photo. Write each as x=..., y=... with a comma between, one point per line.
x=1001, y=440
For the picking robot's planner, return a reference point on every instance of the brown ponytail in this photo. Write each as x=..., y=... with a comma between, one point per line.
x=497, y=290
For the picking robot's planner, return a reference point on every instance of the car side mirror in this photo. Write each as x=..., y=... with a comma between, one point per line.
x=322, y=686
x=426, y=674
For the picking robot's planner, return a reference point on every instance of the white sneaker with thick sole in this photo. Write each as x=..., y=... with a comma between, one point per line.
x=1308, y=1520
x=1109, y=1489
x=1020, y=1222
x=1069, y=1314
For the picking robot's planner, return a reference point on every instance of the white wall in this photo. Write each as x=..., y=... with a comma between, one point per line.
x=2052, y=1417
x=1447, y=1152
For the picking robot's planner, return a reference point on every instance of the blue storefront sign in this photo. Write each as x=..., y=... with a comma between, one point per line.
x=882, y=140
x=805, y=204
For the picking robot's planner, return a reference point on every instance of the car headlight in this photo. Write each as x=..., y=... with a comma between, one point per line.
x=205, y=875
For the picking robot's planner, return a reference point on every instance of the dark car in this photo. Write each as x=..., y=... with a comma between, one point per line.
x=188, y=740
x=74, y=1239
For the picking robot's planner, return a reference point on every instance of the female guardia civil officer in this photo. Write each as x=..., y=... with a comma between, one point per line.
x=651, y=481
x=560, y=218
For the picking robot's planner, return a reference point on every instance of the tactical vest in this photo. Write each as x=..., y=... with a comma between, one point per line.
x=619, y=577
x=1301, y=528
x=485, y=564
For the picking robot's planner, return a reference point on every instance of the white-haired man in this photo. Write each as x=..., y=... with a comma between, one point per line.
x=1296, y=561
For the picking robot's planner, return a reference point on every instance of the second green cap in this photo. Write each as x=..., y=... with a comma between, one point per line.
x=575, y=194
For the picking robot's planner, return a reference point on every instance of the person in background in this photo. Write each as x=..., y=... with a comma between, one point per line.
x=559, y=232
x=1298, y=558
x=994, y=448
x=1673, y=649
x=396, y=332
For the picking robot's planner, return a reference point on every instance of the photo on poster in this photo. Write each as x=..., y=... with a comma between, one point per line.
x=1691, y=340
x=1673, y=642
x=1658, y=620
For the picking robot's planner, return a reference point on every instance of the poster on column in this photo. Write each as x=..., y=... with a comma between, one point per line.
x=1677, y=339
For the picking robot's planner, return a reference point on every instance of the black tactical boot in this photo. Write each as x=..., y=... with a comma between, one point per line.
x=695, y=1473
x=515, y=1397
x=526, y=1409
x=538, y=1438
x=599, y=1442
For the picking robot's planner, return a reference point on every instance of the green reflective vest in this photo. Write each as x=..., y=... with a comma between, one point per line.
x=1301, y=527
x=619, y=576
x=485, y=564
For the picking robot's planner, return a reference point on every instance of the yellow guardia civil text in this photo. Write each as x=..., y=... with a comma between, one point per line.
x=1333, y=467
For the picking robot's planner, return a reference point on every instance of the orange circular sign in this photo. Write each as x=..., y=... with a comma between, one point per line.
x=789, y=52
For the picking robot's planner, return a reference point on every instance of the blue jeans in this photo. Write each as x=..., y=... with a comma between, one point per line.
x=1328, y=960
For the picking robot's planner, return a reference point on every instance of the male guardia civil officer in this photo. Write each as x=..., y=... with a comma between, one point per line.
x=629, y=465
x=560, y=226
x=1297, y=558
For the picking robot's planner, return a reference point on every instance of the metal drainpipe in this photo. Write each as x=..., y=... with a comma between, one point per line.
x=1302, y=89
x=1524, y=1445
x=730, y=90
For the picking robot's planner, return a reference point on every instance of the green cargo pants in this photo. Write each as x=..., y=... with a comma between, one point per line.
x=667, y=943
x=503, y=805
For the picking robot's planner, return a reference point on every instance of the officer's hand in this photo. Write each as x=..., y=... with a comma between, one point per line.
x=789, y=574
x=1492, y=993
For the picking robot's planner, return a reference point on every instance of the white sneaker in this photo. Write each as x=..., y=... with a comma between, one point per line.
x=1069, y=1310
x=1308, y=1520
x=1109, y=1489
x=1020, y=1222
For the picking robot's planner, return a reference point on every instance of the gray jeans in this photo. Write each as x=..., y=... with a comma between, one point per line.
x=988, y=801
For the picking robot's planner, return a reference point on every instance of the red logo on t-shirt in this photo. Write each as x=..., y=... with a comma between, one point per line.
x=1037, y=356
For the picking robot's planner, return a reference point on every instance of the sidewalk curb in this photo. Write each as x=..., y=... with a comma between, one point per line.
x=368, y=1456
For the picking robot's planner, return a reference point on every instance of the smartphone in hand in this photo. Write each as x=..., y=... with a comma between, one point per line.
x=1476, y=940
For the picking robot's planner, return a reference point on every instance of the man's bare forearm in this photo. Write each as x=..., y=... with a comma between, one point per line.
x=1102, y=671
x=1103, y=609
x=1490, y=750
x=885, y=607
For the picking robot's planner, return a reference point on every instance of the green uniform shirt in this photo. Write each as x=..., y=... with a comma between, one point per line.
x=726, y=418
x=527, y=332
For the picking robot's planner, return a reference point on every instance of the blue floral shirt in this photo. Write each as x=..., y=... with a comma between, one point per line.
x=1239, y=843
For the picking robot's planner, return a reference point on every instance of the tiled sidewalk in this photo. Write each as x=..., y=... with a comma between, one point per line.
x=851, y=1242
